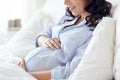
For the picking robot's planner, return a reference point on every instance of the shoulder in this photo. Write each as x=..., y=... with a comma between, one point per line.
x=63, y=19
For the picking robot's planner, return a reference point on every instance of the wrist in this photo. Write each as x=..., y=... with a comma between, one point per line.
x=42, y=39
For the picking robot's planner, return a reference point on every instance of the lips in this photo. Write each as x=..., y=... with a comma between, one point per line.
x=71, y=8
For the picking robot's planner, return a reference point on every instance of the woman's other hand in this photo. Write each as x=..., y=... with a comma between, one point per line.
x=22, y=64
x=52, y=43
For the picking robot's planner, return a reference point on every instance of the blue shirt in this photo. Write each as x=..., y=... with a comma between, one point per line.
x=74, y=40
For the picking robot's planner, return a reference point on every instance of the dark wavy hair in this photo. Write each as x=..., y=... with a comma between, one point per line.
x=97, y=9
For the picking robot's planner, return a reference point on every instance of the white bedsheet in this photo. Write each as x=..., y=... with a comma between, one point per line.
x=9, y=69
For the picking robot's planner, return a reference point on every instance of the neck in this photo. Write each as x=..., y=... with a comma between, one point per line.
x=84, y=15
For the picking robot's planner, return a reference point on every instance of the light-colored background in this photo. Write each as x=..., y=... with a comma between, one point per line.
x=24, y=10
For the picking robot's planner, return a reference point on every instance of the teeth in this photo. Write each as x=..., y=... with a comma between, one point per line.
x=70, y=7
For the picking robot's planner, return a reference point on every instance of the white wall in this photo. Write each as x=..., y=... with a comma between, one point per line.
x=17, y=9
x=55, y=8
x=40, y=3
x=25, y=9
x=31, y=7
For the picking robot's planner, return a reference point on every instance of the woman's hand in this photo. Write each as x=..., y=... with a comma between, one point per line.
x=22, y=64
x=52, y=43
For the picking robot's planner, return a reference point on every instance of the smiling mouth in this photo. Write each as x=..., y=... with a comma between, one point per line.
x=71, y=8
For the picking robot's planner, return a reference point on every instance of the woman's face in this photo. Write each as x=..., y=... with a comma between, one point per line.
x=76, y=6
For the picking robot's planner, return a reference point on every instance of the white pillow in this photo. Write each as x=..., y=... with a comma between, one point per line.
x=97, y=62
x=116, y=16
x=114, y=2
x=23, y=41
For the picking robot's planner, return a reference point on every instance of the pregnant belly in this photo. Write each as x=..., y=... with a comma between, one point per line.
x=43, y=59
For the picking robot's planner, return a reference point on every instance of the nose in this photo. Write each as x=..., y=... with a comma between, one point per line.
x=66, y=2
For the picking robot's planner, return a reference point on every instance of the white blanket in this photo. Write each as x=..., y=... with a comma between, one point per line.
x=9, y=69
x=12, y=72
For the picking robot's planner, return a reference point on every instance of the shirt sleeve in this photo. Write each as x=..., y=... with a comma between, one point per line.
x=47, y=31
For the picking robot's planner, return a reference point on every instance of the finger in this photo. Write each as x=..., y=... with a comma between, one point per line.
x=22, y=64
x=54, y=44
x=57, y=42
x=45, y=44
x=50, y=45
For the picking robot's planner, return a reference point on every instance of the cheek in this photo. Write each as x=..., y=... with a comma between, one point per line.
x=78, y=9
x=81, y=7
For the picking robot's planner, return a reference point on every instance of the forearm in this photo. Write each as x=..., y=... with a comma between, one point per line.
x=42, y=75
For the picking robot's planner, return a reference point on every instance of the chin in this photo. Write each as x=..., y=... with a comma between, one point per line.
x=75, y=14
